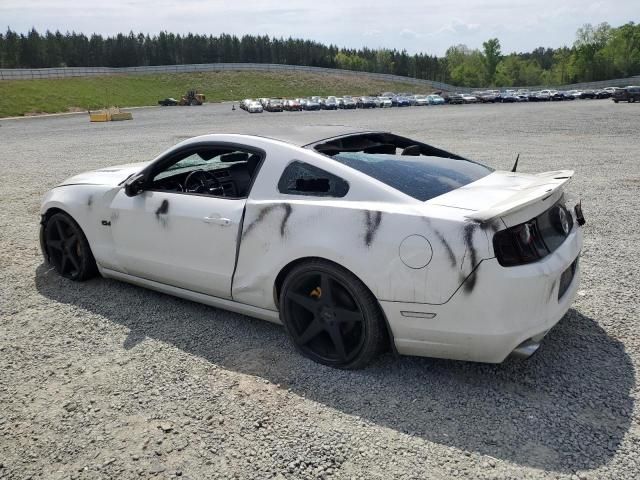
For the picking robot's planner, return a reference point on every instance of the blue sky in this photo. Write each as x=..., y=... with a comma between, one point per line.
x=426, y=26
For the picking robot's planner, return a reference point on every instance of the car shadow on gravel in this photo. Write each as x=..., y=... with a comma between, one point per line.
x=566, y=408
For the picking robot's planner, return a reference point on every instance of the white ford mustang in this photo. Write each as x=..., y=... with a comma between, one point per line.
x=354, y=241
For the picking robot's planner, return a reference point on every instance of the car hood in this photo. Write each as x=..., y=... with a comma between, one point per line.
x=112, y=176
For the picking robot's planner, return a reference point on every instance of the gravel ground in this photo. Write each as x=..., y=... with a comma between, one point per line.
x=106, y=380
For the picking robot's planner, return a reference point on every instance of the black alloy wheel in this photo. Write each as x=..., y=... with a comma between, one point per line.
x=330, y=316
x=66, y=248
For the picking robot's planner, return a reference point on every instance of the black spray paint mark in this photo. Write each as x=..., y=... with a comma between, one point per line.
x=447, y=247
x=443, y=241
x=287, y=209
x=161, y=211
x=90, y=201
x=372, y=223
x=469, y=229
x=493, y=225
x=163, y=208
x=285, y=218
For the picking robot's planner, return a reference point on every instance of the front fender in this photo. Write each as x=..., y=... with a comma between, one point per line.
x=88, y=205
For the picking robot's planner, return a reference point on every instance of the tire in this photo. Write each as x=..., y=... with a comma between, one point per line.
x=345, y=329
x=66, y=248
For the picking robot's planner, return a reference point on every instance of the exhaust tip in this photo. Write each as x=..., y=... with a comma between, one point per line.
x=525, y=350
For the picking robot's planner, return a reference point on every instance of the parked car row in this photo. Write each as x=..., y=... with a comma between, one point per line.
x=391, y=99
x=546, y=95
x=346, y=102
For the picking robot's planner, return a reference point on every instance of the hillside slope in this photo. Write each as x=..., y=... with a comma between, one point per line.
x=28, y=97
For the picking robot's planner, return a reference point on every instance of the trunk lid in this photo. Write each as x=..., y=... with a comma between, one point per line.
x=514, y=197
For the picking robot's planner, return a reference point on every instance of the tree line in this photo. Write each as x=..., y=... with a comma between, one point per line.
x=35, y=50
x=599, y=53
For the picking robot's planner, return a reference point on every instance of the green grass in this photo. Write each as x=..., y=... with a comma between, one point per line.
x=29, y=97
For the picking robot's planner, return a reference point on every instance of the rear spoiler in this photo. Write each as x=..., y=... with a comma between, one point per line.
x=547, y=185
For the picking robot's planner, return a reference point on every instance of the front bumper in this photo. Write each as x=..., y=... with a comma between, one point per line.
x=506, y=307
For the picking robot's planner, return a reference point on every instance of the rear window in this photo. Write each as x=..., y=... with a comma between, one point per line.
x=421, y=177
x=300, y=178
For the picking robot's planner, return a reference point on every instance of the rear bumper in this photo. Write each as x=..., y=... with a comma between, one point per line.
x=507, y=307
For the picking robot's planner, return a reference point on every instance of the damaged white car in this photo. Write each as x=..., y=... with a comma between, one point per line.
x=354, y=241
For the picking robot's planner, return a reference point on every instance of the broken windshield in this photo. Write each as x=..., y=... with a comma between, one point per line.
x=421, y=177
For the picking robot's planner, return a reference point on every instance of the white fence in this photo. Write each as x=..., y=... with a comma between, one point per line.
x=66, y=72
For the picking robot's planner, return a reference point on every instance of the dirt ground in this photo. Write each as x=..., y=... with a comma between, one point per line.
x=103, y=380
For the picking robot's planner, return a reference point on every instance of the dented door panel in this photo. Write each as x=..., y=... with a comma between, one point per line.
x=188, y=241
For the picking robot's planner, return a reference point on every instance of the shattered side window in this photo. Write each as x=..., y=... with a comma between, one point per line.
x=421, y=177
x=300, y=178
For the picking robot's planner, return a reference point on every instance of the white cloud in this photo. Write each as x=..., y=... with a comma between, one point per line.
x=456, y=26
x=408, y=33
x=426, y=26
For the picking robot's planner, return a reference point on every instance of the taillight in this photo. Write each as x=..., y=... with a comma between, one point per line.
x=535, y=239
x=519, y=245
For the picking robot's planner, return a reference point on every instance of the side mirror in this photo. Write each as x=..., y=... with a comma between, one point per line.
x=134, y=185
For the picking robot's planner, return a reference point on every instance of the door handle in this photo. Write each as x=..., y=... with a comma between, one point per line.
x=217, y=220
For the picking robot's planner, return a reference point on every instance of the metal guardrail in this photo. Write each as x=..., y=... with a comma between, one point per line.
x=67, y=72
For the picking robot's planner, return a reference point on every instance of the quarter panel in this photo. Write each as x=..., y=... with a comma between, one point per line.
x=362, y=237
x=362, y=232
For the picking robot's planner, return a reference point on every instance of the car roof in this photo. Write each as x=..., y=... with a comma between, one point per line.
x=305, y=135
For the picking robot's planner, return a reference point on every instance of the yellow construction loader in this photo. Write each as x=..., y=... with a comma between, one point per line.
x=192, y=98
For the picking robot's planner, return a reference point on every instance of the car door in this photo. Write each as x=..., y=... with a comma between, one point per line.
x=176, y=238
x=188, y=241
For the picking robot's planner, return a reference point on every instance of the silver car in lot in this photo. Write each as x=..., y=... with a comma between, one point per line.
x=419, y=100
x=384, y=102
x=348, y=103
x=254, y=107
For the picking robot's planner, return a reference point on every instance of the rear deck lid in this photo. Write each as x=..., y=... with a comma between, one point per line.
x=502, y=193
